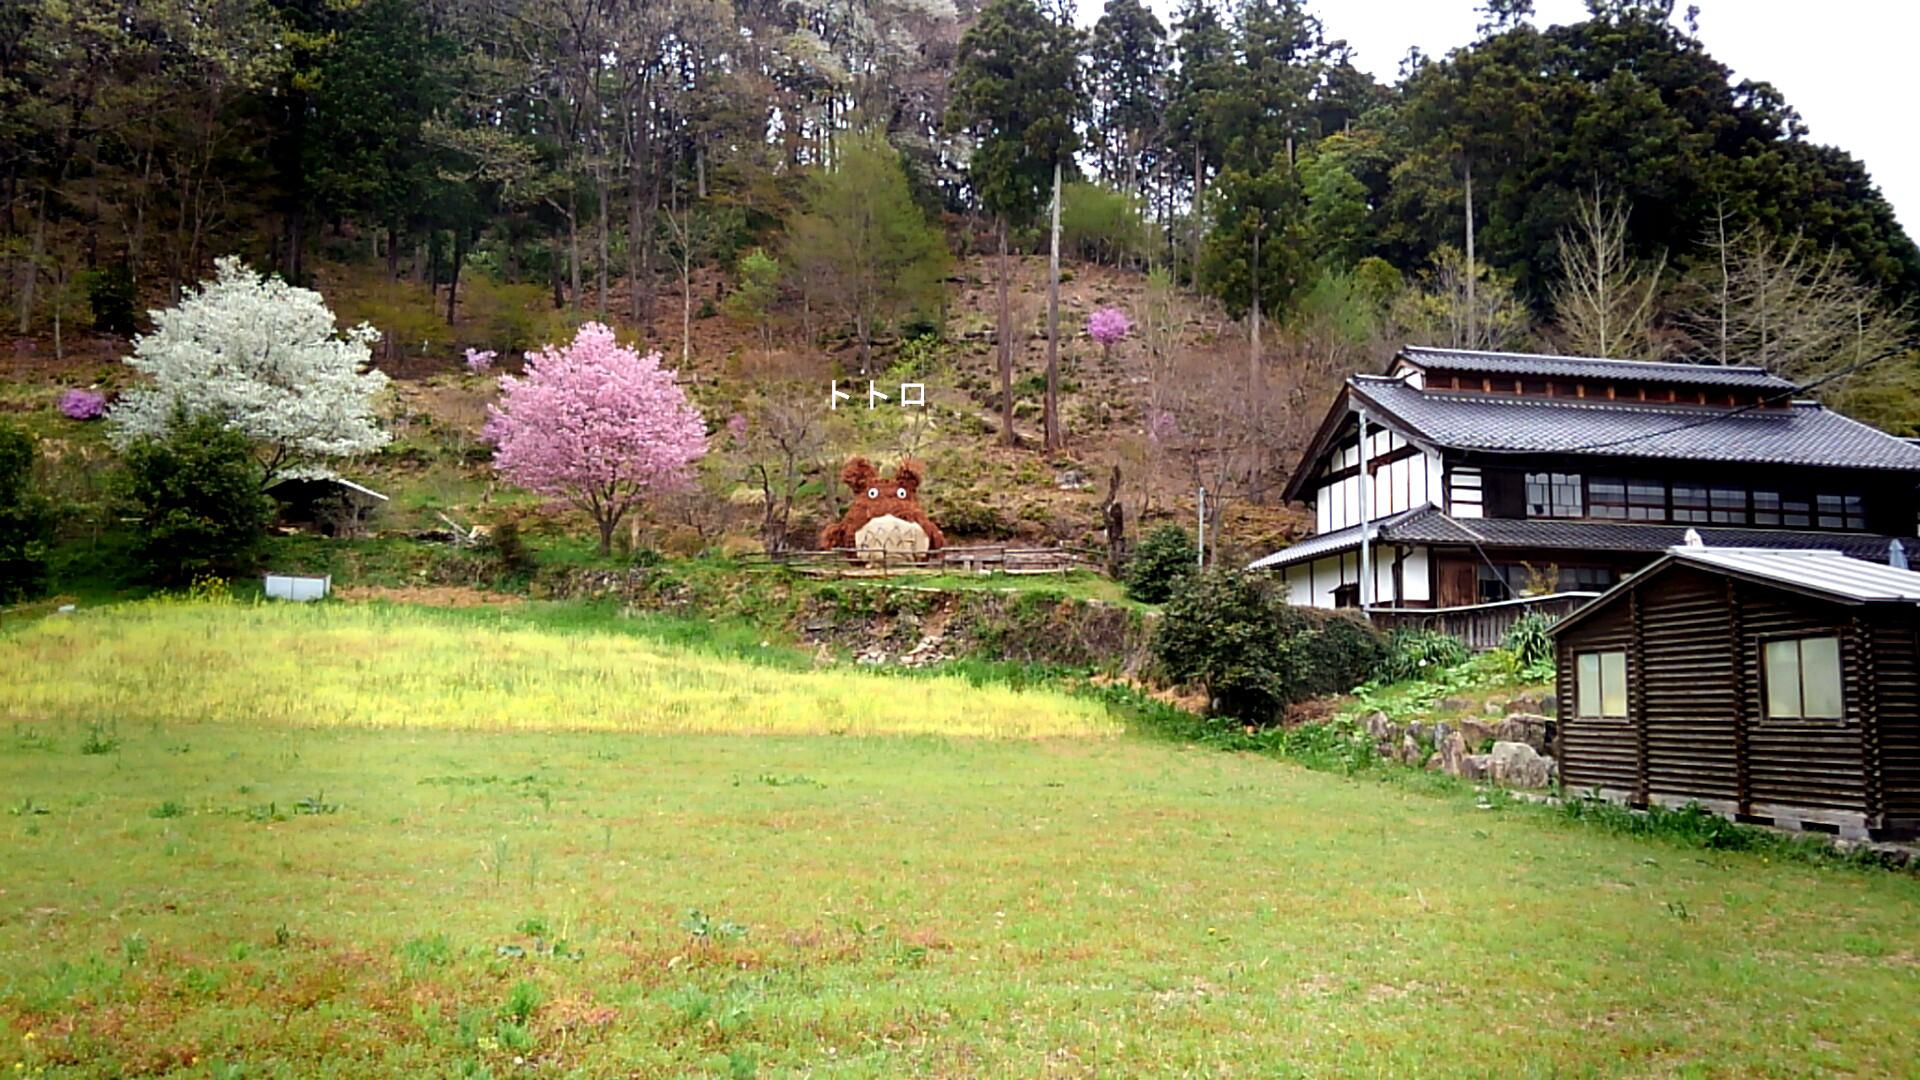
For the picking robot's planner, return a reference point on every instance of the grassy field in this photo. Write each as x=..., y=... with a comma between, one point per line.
x=263, y=886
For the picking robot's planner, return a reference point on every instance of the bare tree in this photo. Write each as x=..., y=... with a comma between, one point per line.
x=1786, y=306
x=1605, y=300
x=781, y=436
x=1449, y=309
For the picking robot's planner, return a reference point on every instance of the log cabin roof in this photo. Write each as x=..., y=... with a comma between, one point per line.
x=1804, y=433
x=1588, y=367
x=1829, y=575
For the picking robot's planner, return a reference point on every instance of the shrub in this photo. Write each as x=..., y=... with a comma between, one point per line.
x=77, y=404
x=1528, y=641
x=1235, y=634
x=1101, y=224
x=196, y=495
x=110, y=295
x=26, y=520
x=1414, y=654
x=1164, y=559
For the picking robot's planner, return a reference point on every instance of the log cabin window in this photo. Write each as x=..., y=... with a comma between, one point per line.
x=1771, y=508
x=1803, y=678
x=1607, y=499
x=1554, y=495
x=1600, y=684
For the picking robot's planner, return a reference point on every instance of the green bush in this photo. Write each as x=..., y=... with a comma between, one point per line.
x=196, y=495
x=26, y=520
x=1527, y=639
x=1164, y=559
x=110, y=295
x=1235, y=634
x=1416, y=654
x=1102, y=225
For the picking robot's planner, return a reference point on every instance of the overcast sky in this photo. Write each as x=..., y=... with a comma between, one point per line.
x=1848, y=66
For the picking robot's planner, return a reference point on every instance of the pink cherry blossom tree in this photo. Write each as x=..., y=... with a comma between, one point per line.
x=597, y=424
x=1107, y=326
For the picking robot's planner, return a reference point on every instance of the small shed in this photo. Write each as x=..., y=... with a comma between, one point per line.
x=332, y=505
x=1766, y=685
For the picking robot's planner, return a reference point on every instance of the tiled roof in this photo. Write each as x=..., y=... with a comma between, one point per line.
x=1428, y=525
x=1592, y=367
x=1802, y=434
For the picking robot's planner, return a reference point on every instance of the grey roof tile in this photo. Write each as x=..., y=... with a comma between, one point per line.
x=1593, y=367
x=1802, y=434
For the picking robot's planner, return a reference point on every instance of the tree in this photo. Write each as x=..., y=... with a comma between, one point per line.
x=755, y=288
x=1784, y=305
x=779, y=436
x=1163, y=560
x=1254, y=256
x=1455, y=308
x=1604, y=302
x=862, y=245
x=1204, y=51
x=1128, y=64
x=264, y=358
x=1015, y=93
x=195, y=490
x=597, y=424
x=26, y=520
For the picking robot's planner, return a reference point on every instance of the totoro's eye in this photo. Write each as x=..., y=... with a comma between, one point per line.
x=873, y=493
x=902, y=493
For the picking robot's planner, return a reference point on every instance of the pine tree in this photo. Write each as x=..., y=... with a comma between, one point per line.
x=1128, y=55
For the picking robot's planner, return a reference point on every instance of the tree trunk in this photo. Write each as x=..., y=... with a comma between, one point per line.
x=606, y=194
x=1473, y=315
x=1253, y=352
x=1052, y=409
x=1005, y=336
x=453, y=276
x=686, y=311
x=1193, y=226
x=393, y=252
x=32, y=275
x=573, y=249
x=606, y=523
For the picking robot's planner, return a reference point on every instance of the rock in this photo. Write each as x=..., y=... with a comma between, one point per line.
x=1441, y=729
x=1541, y=703
x=1475, y=766
x=1434, y=763
x=1493, y=708
x=1453, y=755
x=1410, y=752
x=1417, y=731
x=1514, y=764
x=1072, y=480
x=1376, y=724
x=1475, y=733
x=1454, y=705
x=1525, y=728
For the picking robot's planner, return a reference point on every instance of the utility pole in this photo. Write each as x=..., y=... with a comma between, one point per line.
x=1052, y=419
x=1202, y=532
x=1366, y=514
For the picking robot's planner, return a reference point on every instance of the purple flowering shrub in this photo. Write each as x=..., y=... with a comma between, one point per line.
x=78, y=404
x=479, y=360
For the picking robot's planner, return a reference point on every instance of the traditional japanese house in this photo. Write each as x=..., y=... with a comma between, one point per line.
x=1492, y=476
x=1770, y=685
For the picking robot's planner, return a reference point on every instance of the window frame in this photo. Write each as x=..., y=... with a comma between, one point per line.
x=1839, y=637
x=1600, y=689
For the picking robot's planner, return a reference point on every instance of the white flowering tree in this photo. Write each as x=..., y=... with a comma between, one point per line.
x=269, y=360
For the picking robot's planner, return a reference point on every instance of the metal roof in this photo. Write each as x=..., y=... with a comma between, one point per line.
x=1826, y=572
x=1593, y=367
x=1429, y=525
x=1801, y=434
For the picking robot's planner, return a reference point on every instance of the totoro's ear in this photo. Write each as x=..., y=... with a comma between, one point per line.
x=858, y=474
x=908, y=476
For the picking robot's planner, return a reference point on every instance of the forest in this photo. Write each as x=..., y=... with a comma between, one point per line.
x=489, y=174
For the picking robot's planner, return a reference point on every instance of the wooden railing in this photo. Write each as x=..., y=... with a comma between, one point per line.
x=1481, y=626
x=981, y=559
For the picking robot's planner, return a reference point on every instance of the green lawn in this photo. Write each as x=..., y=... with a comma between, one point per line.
x=254, y=891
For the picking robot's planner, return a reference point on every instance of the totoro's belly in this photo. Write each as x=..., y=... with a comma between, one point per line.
x=888, y=537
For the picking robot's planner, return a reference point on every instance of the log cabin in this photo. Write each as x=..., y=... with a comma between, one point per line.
x=1765, y=685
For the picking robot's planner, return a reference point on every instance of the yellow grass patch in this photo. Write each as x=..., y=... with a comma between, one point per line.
x=332, y=665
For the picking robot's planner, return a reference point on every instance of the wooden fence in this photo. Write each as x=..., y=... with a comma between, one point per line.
x=1481, y=626
x=982, y=559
